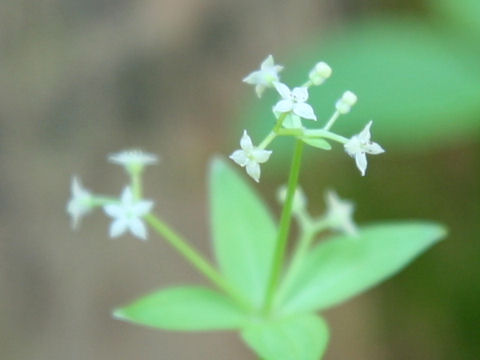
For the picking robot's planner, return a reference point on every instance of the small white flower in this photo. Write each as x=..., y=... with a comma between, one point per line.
x=320, y=73
x=264, y=77
x=345, y=103
x=299, y=198
x=340, y=213
x=250, y=157
x=80, y=202
x=133, y=160
x=127, y=215
x=294, y=101
x=359, y=145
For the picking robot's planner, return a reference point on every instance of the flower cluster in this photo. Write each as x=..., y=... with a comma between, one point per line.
x=289, y=111
x=129, y=210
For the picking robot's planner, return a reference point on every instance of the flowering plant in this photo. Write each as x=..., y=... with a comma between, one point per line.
x=272, y=302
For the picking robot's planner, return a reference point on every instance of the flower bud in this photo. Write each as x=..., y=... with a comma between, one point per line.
x=320, y=73
x=345, y=103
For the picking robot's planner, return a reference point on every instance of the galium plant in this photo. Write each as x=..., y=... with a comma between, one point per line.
x=272, y=300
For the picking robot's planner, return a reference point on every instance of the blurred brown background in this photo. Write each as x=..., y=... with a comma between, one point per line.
x=80, y=79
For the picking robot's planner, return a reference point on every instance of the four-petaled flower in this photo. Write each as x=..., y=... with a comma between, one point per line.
x=80, y=203
x=293, y=101
x=250, y=156
x=359, y=145
x=340, y=213
x=264, y=77
x=133, y=160
x=127, y=215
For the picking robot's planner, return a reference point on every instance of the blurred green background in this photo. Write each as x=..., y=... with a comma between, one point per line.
x=82, y=79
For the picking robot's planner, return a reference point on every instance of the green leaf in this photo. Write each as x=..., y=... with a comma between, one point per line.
x=187, y=308
x=419, y=86
x=243, y=232
x=300, y=337
x=318, y=143
x=342, y=267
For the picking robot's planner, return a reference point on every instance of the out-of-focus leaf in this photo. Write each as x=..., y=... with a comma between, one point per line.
x=463, y=13
x=345, y=266
x=187, y=308
x=300, y=337
x=418, y=85
x=243, y=232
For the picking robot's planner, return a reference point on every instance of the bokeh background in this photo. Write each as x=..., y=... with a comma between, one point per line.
x=80, y=79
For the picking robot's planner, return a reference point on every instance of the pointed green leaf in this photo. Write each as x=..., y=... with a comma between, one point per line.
x=318, y=143
x=187, y=308
x=300, y=337
x=343, y=267
x=243, y=231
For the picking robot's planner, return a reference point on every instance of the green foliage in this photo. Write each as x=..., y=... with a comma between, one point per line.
x=318, y=143
x=187, y=308
x=464, y=14
x=345, y=266
x=420, y=85
x=243, y=232
x=302, y=337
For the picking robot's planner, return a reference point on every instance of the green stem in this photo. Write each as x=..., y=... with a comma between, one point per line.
x=195, y=258
x=325, y=134
x=332, y=120
x=136, y=184
x=285, y=221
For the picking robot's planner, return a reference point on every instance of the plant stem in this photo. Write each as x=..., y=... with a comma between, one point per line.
x=283, y=232
x=332, y=120
x=136, y=184
x=195, y=258
x=325, y=134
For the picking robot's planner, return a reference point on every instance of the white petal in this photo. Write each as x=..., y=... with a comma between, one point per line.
x=246, y=142
x=282, y=89
x=253, y=78
x=142, y=208
x=300, y=94
x=259, y=90
x=118, y=227
x=267, y=63
x=253, y=169
x=304, y=111
x=361, y=161
x=127, y=196
x=138, y=228
x=283, y=106
x=239, y=157
x=374, y=149
x=261, y=156
x=114, y=210
x=364, y=135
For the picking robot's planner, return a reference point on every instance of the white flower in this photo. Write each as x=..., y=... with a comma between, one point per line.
x=127, y=215
x=133, y=160
x=299, y=198
x=340, y=213
x=345, y=103
x=359, y=145
x=80, y=203
x=250, y=156
x=293, y=100
x=264, y=77
x=320, y=73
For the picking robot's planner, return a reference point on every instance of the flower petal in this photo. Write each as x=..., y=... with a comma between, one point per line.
x=282, y=89
x=361, y=161
x=253, y=78
x=304, y=111
x=300, y=94
x=374, y=149
x=138, y=228
x=267, y=63
x=239, y=157
x=283, y=106
x=259, y=90
x=253, y=169
x=364, y=135
x=127, y=196
x=118, y=227
x=246, y=142
x=142, y=208
x=260, y=155
x=114, y=210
